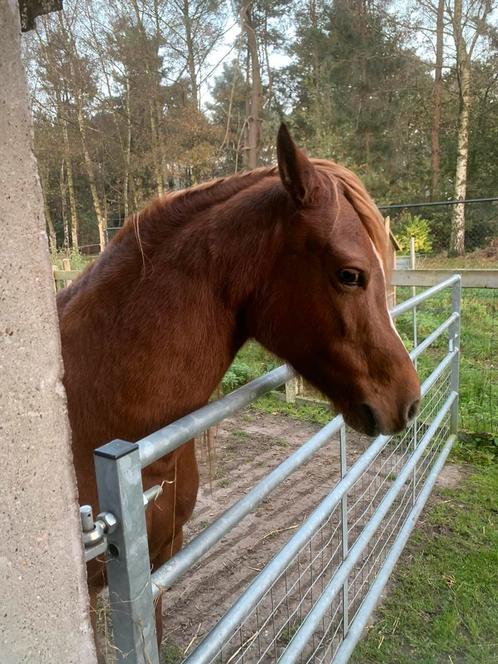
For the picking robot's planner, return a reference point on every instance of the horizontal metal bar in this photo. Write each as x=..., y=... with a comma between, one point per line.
x=465, y=201
x=177, y=566
x=414, y=301
x=172, y=436
x=321, y=606
x=173, y=569
x=262, y=582
x=152, y=494
x=470, y=278
x=423, y=345
x=169, y=438
x=372, y=597
x=438, y=371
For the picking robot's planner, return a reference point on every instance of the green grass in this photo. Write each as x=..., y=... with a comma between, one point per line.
x=78, y=261
x=313, y=413
x=171, y=653
x=442, y=604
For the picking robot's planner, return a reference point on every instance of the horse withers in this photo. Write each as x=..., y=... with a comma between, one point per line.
x=293, y=256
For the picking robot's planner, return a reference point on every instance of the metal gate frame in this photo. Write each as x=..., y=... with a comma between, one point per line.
x=133, y=589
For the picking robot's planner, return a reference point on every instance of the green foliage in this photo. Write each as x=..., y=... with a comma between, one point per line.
x=77, y=260
x=171, y=653
x=409, y=226
x=476, y=448
x=442, y=604
x=238, y=374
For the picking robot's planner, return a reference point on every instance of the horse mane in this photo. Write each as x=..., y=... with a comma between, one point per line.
x=183, y=203
x=179, y=206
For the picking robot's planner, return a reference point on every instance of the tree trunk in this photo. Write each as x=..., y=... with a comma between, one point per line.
x=52, y=238
x=126, y=179
x=153, y=79
x=317, y=104
x=253, y=135
x=457, y=240
x=72, y=204
x=99, y=212
x=457, y=243
x=436, y=102
x=190, y=53
x=156, y=149
x=63, y=190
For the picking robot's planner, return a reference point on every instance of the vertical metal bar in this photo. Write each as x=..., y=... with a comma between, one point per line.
x=454, y=344
x=119, y=483
x=344, y=525
x=415, y=344
x=414, y=292
x=414, y=448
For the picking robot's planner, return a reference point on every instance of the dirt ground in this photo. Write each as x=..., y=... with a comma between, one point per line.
x=247, y=447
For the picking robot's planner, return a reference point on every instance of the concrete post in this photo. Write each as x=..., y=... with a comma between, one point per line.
x=44, y=615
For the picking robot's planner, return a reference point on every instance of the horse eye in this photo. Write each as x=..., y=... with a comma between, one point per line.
x=350, y=277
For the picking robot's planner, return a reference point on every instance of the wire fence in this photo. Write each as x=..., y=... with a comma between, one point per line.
x=479, y=345
x=310, y=602
x=431, y=224
x=274, y=623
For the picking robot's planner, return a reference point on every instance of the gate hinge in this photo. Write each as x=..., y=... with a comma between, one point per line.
x=94, y=532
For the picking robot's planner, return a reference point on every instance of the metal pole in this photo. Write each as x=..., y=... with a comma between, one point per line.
x=421, y=297
x=402, y=206
x=174, y=568
x=454, y=345
x=345, y=534
x=119, y=483
x=415, y=362
x=414, y=292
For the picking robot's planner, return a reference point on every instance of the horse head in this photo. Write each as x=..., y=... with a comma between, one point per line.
x=324, y=307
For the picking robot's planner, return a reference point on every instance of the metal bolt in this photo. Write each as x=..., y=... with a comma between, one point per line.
x=109, y=521
x=86, y=516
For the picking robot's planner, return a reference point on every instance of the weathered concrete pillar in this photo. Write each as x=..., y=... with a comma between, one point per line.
x=43, y=598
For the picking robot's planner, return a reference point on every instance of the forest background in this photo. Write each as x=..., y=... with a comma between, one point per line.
x=134, y=97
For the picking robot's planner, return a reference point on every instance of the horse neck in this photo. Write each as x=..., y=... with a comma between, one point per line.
x=170, y=302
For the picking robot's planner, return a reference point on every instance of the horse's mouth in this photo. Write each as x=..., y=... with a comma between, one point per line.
x=364, y=420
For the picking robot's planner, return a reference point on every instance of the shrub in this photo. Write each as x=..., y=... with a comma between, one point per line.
x=409, y=225
x=238, y=374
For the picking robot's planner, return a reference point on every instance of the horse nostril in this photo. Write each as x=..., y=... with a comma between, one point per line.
x=413, y=410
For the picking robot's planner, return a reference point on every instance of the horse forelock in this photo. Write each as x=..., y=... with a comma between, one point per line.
x=362, y=203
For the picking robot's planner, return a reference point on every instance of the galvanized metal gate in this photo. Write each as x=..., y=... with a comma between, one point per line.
x=322, y=586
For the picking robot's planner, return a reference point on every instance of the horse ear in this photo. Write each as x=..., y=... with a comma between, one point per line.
x=297, y=173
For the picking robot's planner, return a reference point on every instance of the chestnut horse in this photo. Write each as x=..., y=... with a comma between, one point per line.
x=294, y=257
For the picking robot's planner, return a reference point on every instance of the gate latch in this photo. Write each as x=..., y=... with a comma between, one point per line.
x=94, y=532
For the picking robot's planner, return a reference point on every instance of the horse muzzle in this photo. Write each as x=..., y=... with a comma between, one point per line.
x=372, y=421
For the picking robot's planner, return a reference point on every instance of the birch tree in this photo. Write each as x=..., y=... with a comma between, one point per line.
x=436, y=101
x=469, y=24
